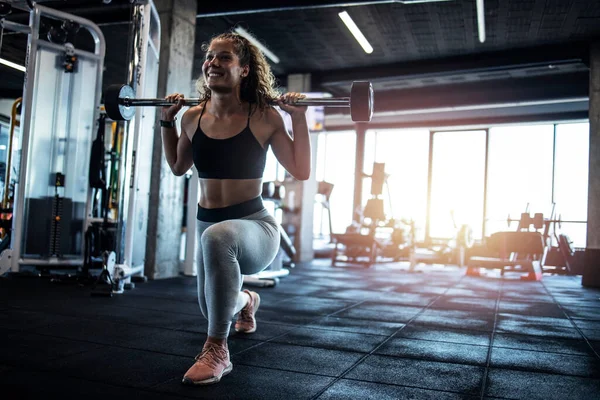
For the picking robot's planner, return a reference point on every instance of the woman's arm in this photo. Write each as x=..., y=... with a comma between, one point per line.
x=177, y=148
x=294, y=154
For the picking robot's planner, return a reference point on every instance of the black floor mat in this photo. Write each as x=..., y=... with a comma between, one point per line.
x=323, y=332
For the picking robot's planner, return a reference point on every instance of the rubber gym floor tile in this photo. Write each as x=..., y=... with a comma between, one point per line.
x=31, y=384
x=551, y=310
x=564, y=364
x=381, y=312
x=269, y=297
x=457, y=378
x=264, y=330
x=312, y=305
x=464, y=304
x=26, y=349
x=526, y=297
x=435, y=351
x=536, y=343
x=180, y=343
x=4, y=369
x=179, y=282
x=95, y=331
x=511, y=384
x=591, y=334
x=409, y=298
x=339, y=282
x=445, y=335
x=421, y=289
x=197, y=325
x=452, y=319
x=333, y=340
x=523, y=288
x=37, y=288
x=591, y=305
x=124, y=367
x=357, y=326
x=245, y=382
x=150, y=318
x=183, y=293
x=533, y=326
x=351, y=389
x=312, y=273
x=533, y=329
x=508, y=319
x=359, y=295
x=587, y=324
x=150, y=303
x=480, y=283
x=289, y=318
x=304, y=289
x=309, y=360
x=475, y=293
x=16, y=318
x=590, y=313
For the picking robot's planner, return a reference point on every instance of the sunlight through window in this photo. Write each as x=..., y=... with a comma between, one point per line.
x=457, y=188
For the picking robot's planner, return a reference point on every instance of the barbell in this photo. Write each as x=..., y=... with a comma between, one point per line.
x=120, y=102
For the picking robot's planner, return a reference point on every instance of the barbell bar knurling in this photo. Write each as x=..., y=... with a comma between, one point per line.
x=120, y=102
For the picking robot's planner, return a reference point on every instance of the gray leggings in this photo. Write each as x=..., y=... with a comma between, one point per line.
x=224, y=251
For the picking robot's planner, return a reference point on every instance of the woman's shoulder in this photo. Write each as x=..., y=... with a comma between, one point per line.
x=189, y=119
x=192, y=112
x=268, y=114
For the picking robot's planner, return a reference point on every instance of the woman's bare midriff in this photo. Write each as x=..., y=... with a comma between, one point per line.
x=218, y=193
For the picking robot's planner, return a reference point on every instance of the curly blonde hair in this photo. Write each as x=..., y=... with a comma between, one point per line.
x=259, y=86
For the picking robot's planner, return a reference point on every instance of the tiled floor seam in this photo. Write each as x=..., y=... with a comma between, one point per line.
x=295, y=327
x=343, y=374
x=572, y=322
x=491, y=344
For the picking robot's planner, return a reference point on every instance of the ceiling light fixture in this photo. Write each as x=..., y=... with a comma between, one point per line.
x=12, y=65
x=358, y=35
x=420, y=1
x=241, y=31
x=481, y=20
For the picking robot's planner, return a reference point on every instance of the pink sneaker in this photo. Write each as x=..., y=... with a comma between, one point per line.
x=246, y=322
x=210, y=366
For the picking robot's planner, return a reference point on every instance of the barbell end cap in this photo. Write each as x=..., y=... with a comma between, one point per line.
x=112, y=102
x=361, y=101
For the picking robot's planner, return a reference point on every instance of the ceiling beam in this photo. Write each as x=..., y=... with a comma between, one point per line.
x=557, y=91
x=551, y=55
x=490, y=92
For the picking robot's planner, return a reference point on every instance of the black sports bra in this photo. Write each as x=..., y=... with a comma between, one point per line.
x=238, y=157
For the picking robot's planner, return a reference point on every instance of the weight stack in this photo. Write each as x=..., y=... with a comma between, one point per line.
x=45, y=236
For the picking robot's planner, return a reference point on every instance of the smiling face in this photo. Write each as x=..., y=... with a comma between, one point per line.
x=221, y=68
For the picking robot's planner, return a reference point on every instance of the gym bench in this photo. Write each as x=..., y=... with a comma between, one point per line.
x=516, y=251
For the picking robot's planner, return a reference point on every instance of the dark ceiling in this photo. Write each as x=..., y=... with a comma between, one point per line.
x=427, y=55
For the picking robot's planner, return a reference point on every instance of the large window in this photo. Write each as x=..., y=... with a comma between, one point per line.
x=336, y=154
x=571, y=179
x=539, y=168
x=519, y=173
x=458, y=183
x=405, y=154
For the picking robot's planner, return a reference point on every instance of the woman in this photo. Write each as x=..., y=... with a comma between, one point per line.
x=226, y=137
